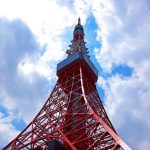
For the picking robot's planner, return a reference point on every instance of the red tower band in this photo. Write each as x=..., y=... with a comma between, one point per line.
x=73, y=117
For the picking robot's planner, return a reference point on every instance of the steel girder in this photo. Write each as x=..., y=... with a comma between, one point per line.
x=74, y=115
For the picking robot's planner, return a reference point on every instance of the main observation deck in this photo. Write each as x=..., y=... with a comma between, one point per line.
x=80, y=57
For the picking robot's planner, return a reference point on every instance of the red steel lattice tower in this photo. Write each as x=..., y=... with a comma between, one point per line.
x=73, y=115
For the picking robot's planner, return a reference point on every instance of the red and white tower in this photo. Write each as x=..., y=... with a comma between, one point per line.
x=73, y=117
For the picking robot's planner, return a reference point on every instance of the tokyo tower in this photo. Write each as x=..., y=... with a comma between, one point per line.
x=73, y=117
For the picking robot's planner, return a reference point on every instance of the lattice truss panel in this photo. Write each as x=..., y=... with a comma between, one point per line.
x=74, y=115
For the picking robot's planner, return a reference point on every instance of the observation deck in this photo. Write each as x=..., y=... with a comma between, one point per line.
x=78, y=58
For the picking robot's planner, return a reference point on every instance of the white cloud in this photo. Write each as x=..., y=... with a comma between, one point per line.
x=124, y=32
x=45, y=20
x=128, y=105
x=6, y=101
x=18, y=95
x=7, y=130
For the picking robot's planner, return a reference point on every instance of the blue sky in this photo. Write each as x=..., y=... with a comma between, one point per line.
x=33, y=42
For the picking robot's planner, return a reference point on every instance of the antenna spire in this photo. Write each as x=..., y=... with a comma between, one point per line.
x=79, y=20
x=78, y=44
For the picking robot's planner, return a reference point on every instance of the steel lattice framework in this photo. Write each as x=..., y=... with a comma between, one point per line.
x=73, y=114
